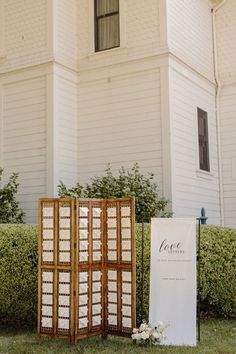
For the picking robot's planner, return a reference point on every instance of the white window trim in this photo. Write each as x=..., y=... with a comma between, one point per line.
x=204, y=174
x=2, y=31
x=122, y=16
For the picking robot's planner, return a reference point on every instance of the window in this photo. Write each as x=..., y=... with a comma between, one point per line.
x=107, y=28
x=203, y=142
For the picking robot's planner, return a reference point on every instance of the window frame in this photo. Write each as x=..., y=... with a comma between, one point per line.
x=96, y=20
x=204, y=165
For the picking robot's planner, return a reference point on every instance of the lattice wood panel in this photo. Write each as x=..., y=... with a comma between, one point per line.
x=86, y=267
x=89, y=302
x=121, y=266
x=56, y=267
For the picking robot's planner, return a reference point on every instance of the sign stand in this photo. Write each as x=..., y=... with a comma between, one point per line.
x=86, y=267
x=198, y=287
x=202, y=220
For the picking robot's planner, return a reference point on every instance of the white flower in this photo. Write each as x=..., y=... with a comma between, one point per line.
x=143, y=327
x=136, y=336
x=156, y=335
x=148, y=330
x=144, y=335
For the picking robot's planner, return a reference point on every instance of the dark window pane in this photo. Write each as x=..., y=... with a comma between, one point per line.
x=201, y=126
x=105, y=7
x=203, y=140
x=108, y=32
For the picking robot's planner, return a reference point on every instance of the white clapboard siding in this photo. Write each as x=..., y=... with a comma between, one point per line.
x=66, y=31
x=119, y=123
x=226, y=34
x=66, y=117
x=25, y=32
x=140, y=33
x=24, y=140
x=192, y=189
x=226, y=51
x=190, y=33
x=228, y=141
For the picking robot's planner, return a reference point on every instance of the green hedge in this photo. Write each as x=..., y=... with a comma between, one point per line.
x=18, y=272
x=218, y=270
x=143, y=278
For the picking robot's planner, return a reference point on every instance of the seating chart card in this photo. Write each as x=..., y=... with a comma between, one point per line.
x=64, y=225
x=64, y=290
x=47, y=302
x=47, y=214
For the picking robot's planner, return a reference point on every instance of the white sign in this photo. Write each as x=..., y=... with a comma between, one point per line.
x=173, y=279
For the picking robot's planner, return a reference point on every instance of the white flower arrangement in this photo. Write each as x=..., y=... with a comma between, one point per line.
x=148, y=335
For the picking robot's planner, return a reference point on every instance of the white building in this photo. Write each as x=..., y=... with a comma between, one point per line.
x=68, y=108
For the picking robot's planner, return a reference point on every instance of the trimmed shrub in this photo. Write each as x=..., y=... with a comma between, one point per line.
x=142, y=277
x=10, y=212
x=218, y=270
x=18, y=274
x=127, y=183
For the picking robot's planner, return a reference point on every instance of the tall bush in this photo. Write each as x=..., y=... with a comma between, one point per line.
x=18, y=274
x=10, y=211
x=127, y=183
x=218, y=270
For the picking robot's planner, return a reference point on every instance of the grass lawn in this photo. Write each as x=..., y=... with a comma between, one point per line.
x=217, y=336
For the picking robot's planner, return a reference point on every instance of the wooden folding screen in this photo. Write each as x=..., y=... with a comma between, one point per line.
x=87, y=280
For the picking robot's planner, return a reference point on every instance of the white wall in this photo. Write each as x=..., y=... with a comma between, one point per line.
x=192, y=188
x=225, y=36
x=38, y=135
x=66, y=123
x=25, y=42
x=66, y=16
x=228, y=140
x=23, y=136
x=140, y=33
x=189, y=24
x=226, y=58
x=25, y=37
x=119, y=121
